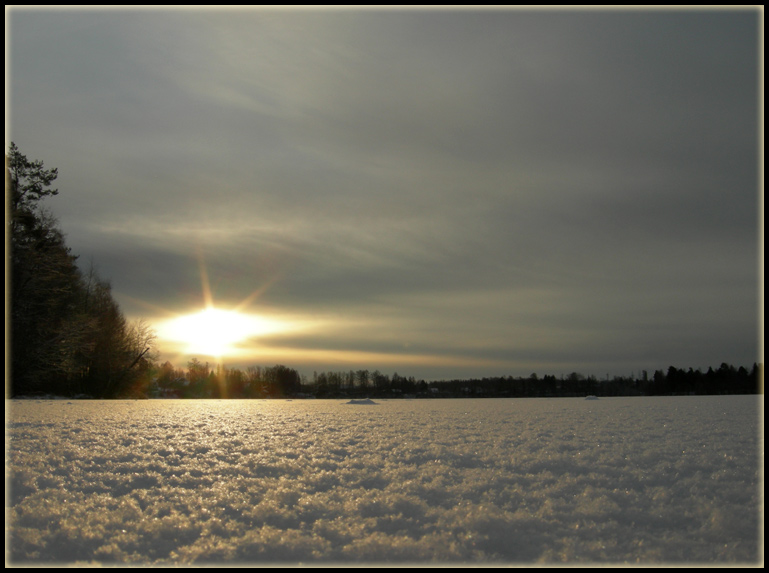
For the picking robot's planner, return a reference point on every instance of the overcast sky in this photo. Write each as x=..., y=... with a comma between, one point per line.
x=435, y=193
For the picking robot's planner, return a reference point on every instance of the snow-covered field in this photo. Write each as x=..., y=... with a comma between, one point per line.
x=486, y=481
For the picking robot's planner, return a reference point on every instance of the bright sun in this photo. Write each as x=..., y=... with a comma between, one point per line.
x=217, y=332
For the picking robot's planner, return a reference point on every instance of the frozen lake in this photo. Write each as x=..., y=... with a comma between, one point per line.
x=552, y=480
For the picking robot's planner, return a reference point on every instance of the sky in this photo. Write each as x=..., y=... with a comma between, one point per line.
x=438, y=193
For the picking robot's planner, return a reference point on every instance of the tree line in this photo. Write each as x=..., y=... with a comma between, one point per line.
x=216, y=381
x=726, y=379
x=67, y=333
x=202, y=380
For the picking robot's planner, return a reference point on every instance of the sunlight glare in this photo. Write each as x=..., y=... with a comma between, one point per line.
x=217, y=332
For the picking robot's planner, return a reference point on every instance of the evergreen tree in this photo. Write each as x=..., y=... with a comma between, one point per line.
x=44, y=279
x=68, y=335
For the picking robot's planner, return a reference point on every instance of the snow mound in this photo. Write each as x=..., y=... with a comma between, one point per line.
x=364, y=402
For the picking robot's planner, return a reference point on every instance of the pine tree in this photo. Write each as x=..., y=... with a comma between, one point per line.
x=68, y=335
x=44, y=278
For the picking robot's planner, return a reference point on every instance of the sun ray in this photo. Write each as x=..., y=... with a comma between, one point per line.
x=246, y=302
x=208, y=299
x=217, y=332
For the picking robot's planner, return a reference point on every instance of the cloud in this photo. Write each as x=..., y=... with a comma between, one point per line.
x=352, y=159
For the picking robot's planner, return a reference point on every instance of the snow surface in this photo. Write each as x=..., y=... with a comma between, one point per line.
x=646, y=480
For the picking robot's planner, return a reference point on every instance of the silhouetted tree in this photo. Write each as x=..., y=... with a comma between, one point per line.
x=26, y=182
x=67, y=332
x=44, y=282
x=362, y=377
x=282, y=381
x=197, y=375
x=381, y=381
x=236, y=383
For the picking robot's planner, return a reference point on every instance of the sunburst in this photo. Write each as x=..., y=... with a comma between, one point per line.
x=213, y=330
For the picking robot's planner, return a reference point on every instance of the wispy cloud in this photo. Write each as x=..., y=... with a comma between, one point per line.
x=512, y=182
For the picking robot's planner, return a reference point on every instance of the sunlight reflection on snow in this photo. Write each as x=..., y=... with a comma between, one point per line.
x=550, y=480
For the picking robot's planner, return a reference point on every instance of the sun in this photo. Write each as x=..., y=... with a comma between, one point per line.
x=217, y=332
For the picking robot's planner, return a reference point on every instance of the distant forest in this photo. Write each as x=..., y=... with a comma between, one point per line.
x=207, y=381
x=68, y=337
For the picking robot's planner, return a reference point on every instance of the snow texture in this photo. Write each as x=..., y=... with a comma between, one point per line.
x=619, y=480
